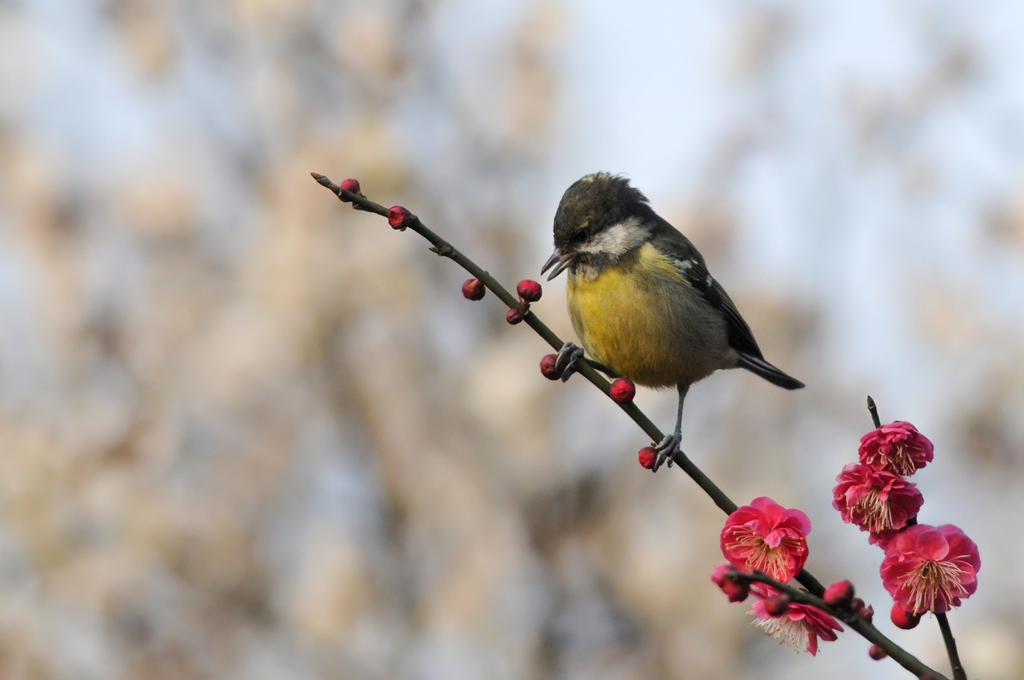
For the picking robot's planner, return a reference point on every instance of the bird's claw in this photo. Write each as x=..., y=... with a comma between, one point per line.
x=567, y=357
x=667, y=448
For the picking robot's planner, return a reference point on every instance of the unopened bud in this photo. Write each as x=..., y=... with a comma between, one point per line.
x=622, y=391
x=474, y=289
x=903, y=619
x=647, y=457
x=877, y=653
x=514, y=315
x=398, y=217
x=549, y=367
x=735, y=590
x=839, y=594
x=351, y=185
x=529, y=290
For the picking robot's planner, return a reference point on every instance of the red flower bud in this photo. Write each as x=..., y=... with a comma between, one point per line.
x=622, y=391
x=351, y=185
x=515, y=315
x=473, y=289
x=736, y=591
x=839, y=594
x=903, y=619
x=647, y=457
x=529, y=290
x=548, y=367
x=777, y=605
x=877, y=653
x=398, y=217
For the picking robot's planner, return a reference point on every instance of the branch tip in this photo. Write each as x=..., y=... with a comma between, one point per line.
x=874, y=412
x=325, y=182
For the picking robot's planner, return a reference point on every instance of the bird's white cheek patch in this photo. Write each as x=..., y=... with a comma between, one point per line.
x=616, y=239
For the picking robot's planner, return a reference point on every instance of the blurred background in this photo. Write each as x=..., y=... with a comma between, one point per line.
x=247, y=432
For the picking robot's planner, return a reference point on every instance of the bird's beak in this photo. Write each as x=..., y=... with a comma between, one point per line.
x=559, y=261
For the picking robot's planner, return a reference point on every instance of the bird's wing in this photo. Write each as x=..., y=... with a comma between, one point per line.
x=690, y=264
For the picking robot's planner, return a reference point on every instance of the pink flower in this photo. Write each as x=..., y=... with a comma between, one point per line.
x=875, y=500
x=765, y=536
x=800, y=625
x=897, y=447
x=929, y=569
x=882, y=538
x=736, y=591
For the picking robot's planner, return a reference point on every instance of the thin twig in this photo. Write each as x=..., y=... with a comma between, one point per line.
x=954, y=657
x=445, y=249
x=874, y=412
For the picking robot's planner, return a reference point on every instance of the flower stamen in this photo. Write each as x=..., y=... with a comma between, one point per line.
x=877, y=511
x=932, y=581
x=761, y=556
x=784, y=629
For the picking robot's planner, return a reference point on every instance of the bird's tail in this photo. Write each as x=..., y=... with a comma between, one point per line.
x=768, y=372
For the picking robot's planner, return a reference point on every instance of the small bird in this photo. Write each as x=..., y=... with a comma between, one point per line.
x=641, y=299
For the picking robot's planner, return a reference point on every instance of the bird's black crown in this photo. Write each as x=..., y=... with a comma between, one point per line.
x=594, y=203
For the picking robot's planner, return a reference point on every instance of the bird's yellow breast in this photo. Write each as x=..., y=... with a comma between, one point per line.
x=641, y=319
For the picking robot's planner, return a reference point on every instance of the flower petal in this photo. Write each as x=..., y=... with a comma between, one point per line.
x=932, y=545
x=774, y=539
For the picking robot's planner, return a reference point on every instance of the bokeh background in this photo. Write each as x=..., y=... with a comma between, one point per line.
x=246, y=432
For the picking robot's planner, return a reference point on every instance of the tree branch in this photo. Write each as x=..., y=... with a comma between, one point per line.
x=584, y=368
x=852, y=619
x=954, y=656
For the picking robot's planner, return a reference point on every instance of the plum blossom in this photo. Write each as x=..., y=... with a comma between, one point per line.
x=875, y=500
x=765, y=536
x=930, y=568
x=897, y=447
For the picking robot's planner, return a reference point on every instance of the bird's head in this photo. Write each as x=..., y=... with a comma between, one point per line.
x=599, y=219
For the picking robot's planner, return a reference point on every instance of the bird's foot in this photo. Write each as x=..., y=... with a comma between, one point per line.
x=667, y=448
x=567, y=357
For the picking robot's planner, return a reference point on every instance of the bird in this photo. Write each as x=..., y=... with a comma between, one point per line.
x=641, y=299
